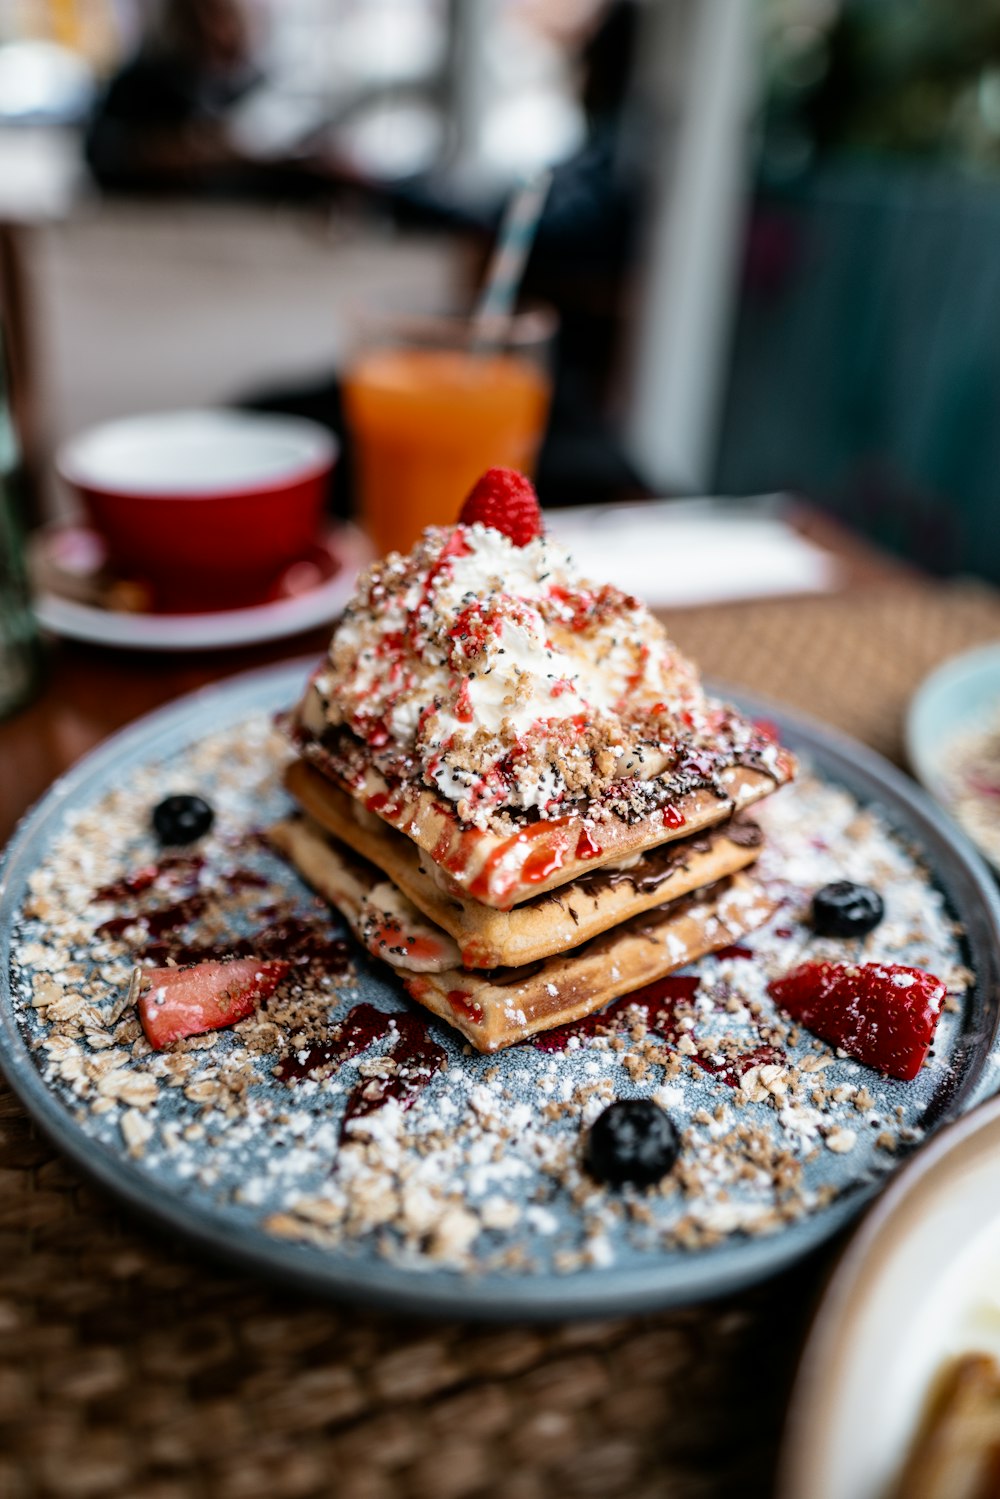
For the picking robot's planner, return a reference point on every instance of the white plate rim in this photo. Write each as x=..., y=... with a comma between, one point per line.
x=827, y=1346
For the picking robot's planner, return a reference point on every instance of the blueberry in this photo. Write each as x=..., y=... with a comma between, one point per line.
x=846, y=910
x=632, y=1141
x=182, y=819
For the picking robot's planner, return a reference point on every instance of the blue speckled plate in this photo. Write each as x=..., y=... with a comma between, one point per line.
x=639, y=1278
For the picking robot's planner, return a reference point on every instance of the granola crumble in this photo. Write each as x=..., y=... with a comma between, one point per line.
x=483, y=1170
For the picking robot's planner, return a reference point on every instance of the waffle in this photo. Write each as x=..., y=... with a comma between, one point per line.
x=516, y=788
x=496, y=1008
x=551, y=922
x=504, y=871
x=381, y=916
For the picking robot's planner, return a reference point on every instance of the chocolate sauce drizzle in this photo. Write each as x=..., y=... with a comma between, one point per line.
x=341, y=755
x=657, y=865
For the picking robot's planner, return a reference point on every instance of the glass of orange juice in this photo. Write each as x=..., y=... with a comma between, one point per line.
x=429, y=411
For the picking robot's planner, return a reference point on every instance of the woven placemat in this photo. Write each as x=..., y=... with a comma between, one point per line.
x=128, y=1367
x=853, y=659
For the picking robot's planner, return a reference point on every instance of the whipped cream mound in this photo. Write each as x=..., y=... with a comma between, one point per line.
x=501, y=678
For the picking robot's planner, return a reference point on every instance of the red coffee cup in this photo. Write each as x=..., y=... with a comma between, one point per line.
x=208, y=507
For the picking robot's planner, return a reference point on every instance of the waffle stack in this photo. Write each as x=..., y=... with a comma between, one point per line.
x=515, y=790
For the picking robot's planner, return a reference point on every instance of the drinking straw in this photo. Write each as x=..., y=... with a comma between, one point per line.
x=493, y=312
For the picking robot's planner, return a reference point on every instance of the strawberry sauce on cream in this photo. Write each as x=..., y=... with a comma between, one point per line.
x=495, y=676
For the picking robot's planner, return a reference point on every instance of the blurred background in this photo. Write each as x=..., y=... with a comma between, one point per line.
x=769, y=238
x=756, y=373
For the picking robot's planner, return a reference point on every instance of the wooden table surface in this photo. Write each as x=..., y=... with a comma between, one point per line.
x=88, y=693
x=129, y=1367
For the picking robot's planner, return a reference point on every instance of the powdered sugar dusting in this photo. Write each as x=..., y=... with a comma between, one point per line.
x=481, y=1170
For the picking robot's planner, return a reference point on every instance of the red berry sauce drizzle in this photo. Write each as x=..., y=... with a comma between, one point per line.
x=418, y=1059
x=586, y=848
x=279, y=934
x=661, y=1001
x=462, y=1002
x=157, y=921
x=290, y=937
x=182, y=869
x=360, y=1028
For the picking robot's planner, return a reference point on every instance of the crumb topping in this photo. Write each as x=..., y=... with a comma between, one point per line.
x=309, y=1121
x=497, y=677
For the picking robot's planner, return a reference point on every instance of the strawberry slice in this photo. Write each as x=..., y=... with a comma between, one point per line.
x=880, y=1013
x=177, y=1002
x=506, y=500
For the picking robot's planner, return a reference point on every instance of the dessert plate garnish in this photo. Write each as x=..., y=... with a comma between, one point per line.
x=173, y=1003
x=634, y=1140
x=506, y=501
x=883, y=1014
x=344, y=1138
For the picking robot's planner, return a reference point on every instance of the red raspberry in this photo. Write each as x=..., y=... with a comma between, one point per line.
x=880, y=1013
x=505, y=500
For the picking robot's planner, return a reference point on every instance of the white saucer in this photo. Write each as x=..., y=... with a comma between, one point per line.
x=220, y=630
